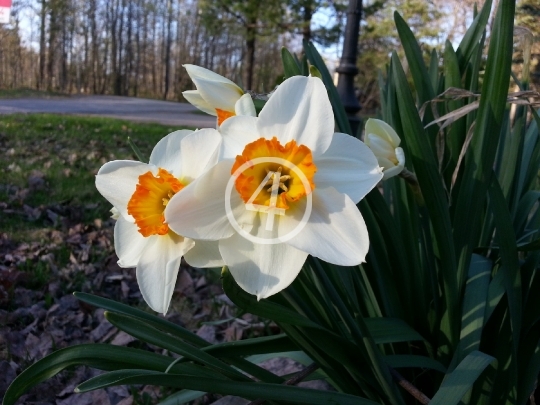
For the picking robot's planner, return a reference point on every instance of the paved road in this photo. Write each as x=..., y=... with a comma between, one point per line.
x=128, y=108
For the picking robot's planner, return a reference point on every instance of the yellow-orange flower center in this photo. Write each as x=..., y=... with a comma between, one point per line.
x=151, y=196
x=222, y=115
x=289, y=184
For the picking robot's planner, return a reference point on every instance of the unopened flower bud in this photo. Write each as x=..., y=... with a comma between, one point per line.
x=384, y=143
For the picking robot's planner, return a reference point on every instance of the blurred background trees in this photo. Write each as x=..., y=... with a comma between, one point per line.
x=137, y=47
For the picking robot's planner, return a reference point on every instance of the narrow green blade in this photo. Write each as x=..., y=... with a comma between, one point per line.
x=100, y=356
x=413, y=361
x=273, y=392
x=290, y=66
x=153, y=320
x=339, y=112
x=414, y=56
x=458, y=382
x=474, y=304
x=473, y=35
x=156, y=337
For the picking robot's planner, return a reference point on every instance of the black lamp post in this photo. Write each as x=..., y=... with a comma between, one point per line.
x=347, y=65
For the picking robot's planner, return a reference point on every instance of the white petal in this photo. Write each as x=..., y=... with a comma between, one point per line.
x=198, y=210
x=245, y=106
x=218, y=94
x=198, y=153
x=349, y=166
x=335, y=231
x=197, y=72
x=379, y=146
x=195, y=98
x=158, y=268
x=392, y=171
x=205, y=253
x=128, y=243
x=237, y=132
x=166, y=153
x=300, y=110
x=260, y=269
x=114, y=213
x=383, y=130
x=385, y=163
x=400, y=155
x=116, y=181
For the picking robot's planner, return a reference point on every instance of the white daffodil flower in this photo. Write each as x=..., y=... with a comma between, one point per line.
x=384, y=142
x=139, y=193
x=217, y=95
x=287, y=187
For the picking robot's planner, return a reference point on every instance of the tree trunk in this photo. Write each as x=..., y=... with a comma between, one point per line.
x=53, y=29
x=308, y=14
x=138, y=48
x=128, y=67
x=119, y=79
x=144, y=52
x=250, y=53
x=95, y=55
x=65, y=45
x=168, y=45
x=42, y=45
x=154, y=43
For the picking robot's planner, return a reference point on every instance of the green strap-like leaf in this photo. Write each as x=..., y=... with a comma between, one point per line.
x=261, y=345
x=100, y=356
x=434, y=70
x=290, y=66
x=275, y=392
x=480, y=156
x=153, y=320
x=509, y=267
x=339, y=112
x=180, y=332
x=509, y=256
x=474, y=305
x=458, y=382
x=531, y=155
x=473, y=35
x=414, y=56
x=156, y=337
x=413, y=361
x=529, y=162
x=182, y=397
x=455, y=136
x=524, y=208
x=427, y=172
x=391, y=330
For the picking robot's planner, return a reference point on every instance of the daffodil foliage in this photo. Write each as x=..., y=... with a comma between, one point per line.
x=422, y=288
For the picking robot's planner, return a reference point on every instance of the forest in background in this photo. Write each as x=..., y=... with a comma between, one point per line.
x=137, y=48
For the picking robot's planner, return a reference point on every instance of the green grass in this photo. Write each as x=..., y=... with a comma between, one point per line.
x=27, y=92
x=67, y=151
